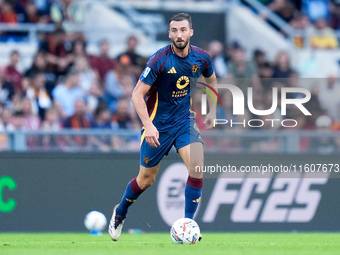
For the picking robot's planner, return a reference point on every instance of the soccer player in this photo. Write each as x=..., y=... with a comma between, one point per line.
x=167, y=119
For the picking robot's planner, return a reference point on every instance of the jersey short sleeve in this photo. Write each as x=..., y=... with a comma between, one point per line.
x=150, y=72
x=208, y=68
x=149, y=75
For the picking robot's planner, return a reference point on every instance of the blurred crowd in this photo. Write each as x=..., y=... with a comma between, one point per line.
x=315, y=21
x=66, y=87
x=262, y=75
x=61, y=13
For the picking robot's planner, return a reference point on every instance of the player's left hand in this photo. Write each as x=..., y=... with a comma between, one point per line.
x=209, y=120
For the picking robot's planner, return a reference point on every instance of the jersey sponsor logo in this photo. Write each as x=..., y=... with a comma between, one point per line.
x=172, y=70
x=195, y=68
x=182, y=82
x=146, y=71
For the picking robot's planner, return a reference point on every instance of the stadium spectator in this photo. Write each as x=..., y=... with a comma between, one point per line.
x=7, y=12
x=242, y=72
x=57, y=49
x=32, y=121
x=285, y=9
x=38, y=65
x=12, y=73
x=78, y=120
x=64, y=12
x=52, y=121
x=7, y=91
x=37, y=93
x=102, y=120
x=301, y=24
x=125, y=118
x=32, y=15
x=101, y=117
x=329, y=97
x=102, y=63
x=65, y=94
x=89, y=83
x=78, y=49
x=215, y=50
x=119, y=82
x=334, y=14
x=137, y=61
x=282, y=66
x=266, y=73
x=5, y=119
x=17, y=121
x=323, y=145
x=322, y=36
x=259, y=57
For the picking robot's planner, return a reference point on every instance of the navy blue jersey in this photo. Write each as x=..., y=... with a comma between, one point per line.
x=170, y=77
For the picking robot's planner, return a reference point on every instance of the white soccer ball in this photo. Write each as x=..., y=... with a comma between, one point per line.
x=95, y=221
x=185, y=231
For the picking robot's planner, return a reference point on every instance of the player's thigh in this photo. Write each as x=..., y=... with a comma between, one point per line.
x=146, y=176
x=193, y=157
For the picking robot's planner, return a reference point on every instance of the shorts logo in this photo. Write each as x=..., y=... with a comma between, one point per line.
x=146, y=160
x=146, y=71
x=195, y=68
x=180, y=81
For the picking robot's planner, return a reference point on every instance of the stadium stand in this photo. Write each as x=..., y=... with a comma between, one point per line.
x=65, y=65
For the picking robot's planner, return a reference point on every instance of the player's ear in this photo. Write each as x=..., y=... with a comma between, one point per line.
x=191, y=32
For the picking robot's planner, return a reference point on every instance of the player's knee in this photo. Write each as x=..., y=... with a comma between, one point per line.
x=147, y=182
x=196, y=169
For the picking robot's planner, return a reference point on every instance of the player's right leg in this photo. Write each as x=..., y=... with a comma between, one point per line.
x=134, y=188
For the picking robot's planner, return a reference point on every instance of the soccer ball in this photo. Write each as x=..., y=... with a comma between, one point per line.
x=185, y=231
x=95, y=221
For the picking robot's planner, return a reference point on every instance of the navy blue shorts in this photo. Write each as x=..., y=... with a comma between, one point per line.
x=177, y=136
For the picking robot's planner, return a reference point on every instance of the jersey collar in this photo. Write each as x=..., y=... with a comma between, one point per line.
x=173, y=51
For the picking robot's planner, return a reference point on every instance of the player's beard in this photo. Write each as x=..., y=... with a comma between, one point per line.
x=180, y=45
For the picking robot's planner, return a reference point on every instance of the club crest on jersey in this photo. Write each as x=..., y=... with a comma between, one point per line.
x=146, y=160
x=194, y=68
x=182, y=82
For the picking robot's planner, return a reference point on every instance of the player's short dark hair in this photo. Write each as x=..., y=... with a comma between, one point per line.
x=181, y=16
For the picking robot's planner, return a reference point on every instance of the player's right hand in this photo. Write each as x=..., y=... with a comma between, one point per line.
x=152, y=136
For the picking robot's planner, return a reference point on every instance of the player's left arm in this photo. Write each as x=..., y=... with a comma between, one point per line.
x=211, y=116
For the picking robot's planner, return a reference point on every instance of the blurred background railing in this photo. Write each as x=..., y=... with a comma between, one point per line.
x=245, y=142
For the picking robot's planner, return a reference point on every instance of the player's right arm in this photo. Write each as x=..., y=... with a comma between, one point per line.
x=138, y=94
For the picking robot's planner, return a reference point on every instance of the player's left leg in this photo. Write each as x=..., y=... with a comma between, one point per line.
x=193, y=158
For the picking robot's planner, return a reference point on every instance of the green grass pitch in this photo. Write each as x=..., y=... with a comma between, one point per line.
x=160, y=243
